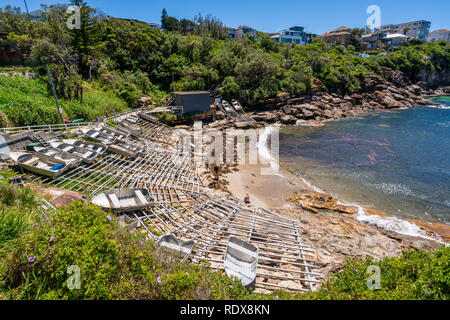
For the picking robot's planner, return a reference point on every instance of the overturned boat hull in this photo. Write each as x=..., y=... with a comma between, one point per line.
x=241, y=261
x=176, y=248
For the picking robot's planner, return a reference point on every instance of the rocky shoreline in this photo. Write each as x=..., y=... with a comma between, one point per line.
x=332, y=229
x=377, y=93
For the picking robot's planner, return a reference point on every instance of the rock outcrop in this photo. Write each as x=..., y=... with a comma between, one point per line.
x=318, y=202
x=58, y=197
x=338, y=237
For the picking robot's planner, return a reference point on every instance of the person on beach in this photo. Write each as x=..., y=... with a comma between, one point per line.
x=247, y=199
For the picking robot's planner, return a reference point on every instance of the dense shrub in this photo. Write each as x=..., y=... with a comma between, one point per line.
x=114, y=263
x=35, y=254
x=415, y=275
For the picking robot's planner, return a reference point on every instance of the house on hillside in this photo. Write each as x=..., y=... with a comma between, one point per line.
x=413, y=30
x=154, y=25
x=241, y=32
x=341, y=35
x=37, y=15
x=373, y=41
x=439, y=35
x=294, y=34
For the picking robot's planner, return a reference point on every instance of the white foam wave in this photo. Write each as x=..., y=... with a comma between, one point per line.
x=387, y=223
x=263, y=149
x=394, y=224
x=438, y=107
x=392, y=188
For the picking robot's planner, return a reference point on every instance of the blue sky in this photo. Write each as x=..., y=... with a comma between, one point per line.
x=318, y=16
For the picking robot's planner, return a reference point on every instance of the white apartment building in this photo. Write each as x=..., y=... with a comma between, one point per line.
x=294, y=34
x=413, y=30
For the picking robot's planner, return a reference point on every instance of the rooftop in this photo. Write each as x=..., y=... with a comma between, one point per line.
x=395, y=35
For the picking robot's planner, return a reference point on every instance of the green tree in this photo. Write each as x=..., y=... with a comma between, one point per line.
x=164, y=17
x=187, y=26
x=172, y=24
x=230, y=89
x=85, y=41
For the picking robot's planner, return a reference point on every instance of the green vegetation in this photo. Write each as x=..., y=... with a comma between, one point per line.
x=416, y=275
x=26, y=101
x=37, y=247
x=115, y=264
x=129, y=59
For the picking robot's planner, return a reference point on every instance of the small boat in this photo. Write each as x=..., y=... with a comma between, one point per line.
x=237, y=106
x=241, y=261
x=88, y=156
x=124, y=200
x=97, y=148
x=68, y=158
x=130, y=127
x=132, y=147
x=147, y=117
x=117, y=134
x=40, y=164
x=175, y=247
x=98, y=136
x=227, y=107
x=122, y=150
x=133, y=118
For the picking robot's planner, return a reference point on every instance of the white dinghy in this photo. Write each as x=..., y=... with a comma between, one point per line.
x=175, y=248
x=227, y=107
x=117, y=134
x=68, y=158
x=129, y=127
x=40, y=164
x=124, y=200
x=97, y=148
x=241, y=261
x=237, y=106
x=98, y=136
x=121, y=150
x=88, y=156
x=133, y=118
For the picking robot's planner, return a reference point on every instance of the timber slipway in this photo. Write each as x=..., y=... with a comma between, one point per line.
x=184, y=205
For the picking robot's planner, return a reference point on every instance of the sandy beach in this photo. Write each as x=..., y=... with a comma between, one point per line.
x=268, y=191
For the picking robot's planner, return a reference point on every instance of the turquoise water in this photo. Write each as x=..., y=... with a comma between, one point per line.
x=395, y=161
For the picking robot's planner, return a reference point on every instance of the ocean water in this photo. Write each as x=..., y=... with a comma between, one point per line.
x=394, y=161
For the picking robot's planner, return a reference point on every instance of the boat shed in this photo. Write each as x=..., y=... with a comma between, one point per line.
x=193, y=101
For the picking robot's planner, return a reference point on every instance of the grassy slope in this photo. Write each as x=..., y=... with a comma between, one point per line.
x=116, y=264
x=26, y=101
